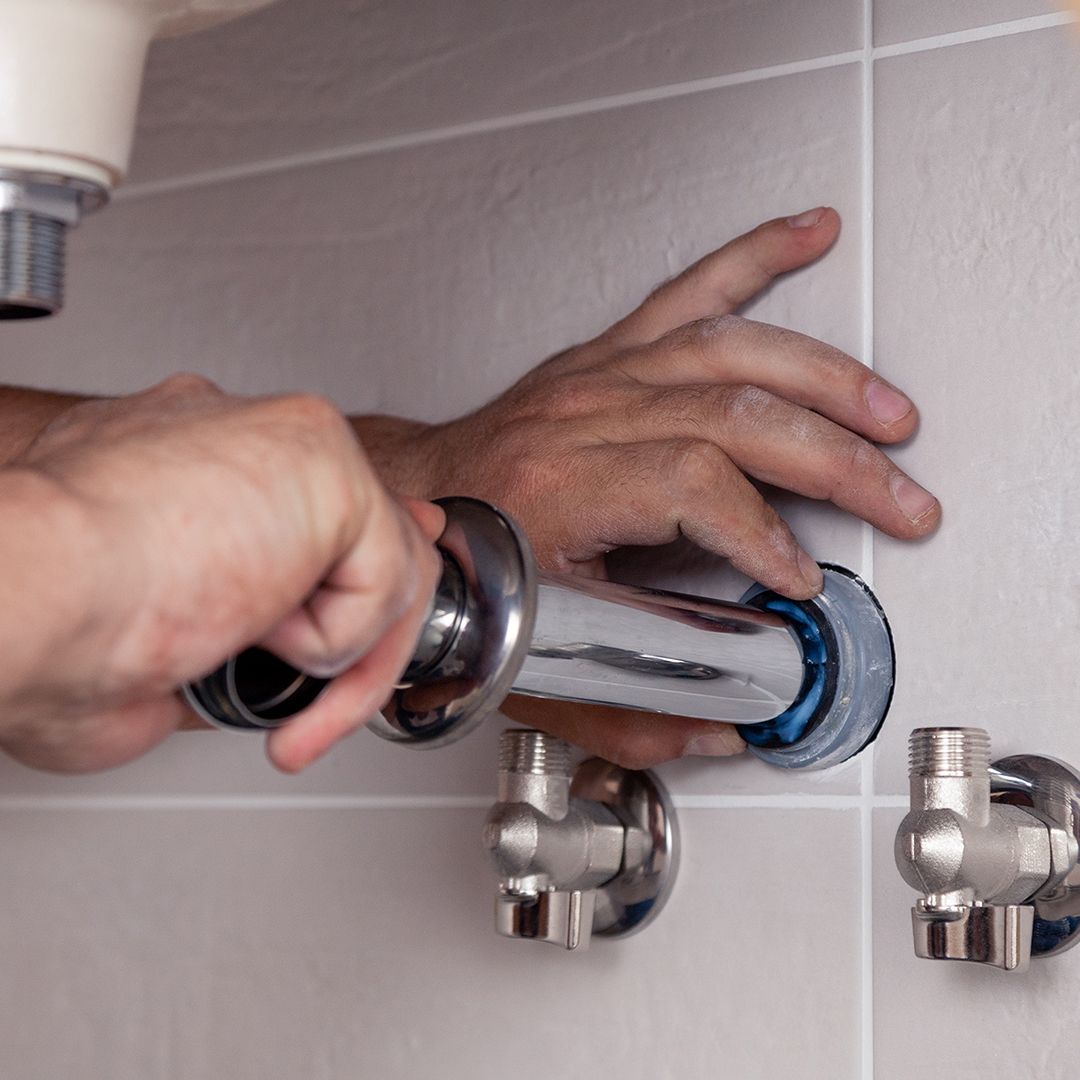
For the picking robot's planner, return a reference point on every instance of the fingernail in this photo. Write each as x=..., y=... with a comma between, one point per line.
x=811, y=572
x=721, y=743
x=914, y=501
x=886, y=404
x=807, y=219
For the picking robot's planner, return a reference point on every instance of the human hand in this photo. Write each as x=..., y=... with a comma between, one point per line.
x=203, y=523
x=660, y=428
x=657, y=428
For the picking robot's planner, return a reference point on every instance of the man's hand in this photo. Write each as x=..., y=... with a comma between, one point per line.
x=161, y=533
x=659, y=428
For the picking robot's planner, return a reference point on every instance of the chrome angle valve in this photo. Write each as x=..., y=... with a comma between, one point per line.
x=992, y=848
x=591, y=850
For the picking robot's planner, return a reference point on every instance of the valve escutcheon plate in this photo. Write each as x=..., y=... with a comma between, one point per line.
x=636, y=895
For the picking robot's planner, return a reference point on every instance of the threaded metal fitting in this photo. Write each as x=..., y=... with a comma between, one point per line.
x=31, y=264
x=533, y=753
x=36, y=210
x=944, y=752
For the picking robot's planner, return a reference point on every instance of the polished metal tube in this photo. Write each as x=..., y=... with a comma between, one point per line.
x=498, y=625
x=662, y=652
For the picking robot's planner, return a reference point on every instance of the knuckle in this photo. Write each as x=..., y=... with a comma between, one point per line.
x=186, y=384
x=714, y=326
x=838, y=369
x=743, y=402
x=312, y=411
x=704, y=333
x=854, y=461
x=859, y=458
x=697, y=465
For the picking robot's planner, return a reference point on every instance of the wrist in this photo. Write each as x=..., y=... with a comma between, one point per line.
x=400, y=451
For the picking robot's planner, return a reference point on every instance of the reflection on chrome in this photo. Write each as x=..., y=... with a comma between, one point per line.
x=596, y=641
x=626, y=660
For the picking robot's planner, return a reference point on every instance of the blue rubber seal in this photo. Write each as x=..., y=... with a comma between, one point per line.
x=793, y=724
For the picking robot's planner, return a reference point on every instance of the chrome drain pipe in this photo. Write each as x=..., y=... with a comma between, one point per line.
x=808, y=682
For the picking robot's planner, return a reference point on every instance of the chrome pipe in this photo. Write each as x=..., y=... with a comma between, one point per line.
x=808, y=682
x=662, y=652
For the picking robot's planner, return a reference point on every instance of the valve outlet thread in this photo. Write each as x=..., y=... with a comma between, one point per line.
x=942, y=751
x=533, y=752
x=31, y=264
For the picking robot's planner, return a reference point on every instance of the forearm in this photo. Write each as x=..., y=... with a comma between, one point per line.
x=396, y=448
x=389, y=441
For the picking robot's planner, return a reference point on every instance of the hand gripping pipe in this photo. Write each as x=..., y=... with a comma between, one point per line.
x=807, y=682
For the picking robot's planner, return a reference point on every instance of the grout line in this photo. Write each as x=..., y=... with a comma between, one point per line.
x=866, y=846
x=891, y=802
x=406, y=140
x=866, y=774
x=243, y=802
x=792, y=801
x=977, y=33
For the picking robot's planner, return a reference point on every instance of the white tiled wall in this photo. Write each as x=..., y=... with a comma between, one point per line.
x=405, y=205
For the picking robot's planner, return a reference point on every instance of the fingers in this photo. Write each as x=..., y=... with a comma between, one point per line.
x=349, y=700
x=726, y=279
x=807, y=372
x=390, y=568
x=430, y=518
x=792, y=448
x=657, y=491
x=367, y=614
x=634, y=740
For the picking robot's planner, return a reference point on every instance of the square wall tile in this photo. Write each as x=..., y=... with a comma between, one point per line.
x=977, y=317
x=302, y=75
x=327, y=944
x=905, y=20
x=937, y=1018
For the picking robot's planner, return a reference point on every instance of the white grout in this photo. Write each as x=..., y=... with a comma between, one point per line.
x=411, y=139
x=866, y=775
x=789, y=801
x=891, y=802
x=977, y=33
x=406, y=140
x=243, y=802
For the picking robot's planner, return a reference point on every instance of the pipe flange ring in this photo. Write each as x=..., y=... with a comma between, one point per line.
x=850, y=674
